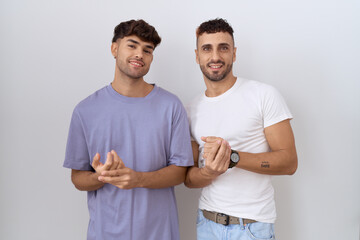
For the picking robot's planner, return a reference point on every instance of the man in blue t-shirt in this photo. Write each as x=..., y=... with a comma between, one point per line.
x=129, y=145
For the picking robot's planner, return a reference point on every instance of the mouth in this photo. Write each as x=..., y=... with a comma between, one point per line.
x=136, y=63
x=215, y=66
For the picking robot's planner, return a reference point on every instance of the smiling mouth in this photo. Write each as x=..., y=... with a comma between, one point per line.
x=215, y=66
x=136, y=63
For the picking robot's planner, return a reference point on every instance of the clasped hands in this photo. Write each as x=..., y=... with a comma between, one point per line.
x=115, y=172
x=217, y=154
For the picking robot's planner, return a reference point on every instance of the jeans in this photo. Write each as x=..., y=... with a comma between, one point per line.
x=209, y=230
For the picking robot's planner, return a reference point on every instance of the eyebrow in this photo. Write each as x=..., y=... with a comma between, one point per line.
x=206, y=45
x=224, y=44
x=136, y=42
x=220, y=44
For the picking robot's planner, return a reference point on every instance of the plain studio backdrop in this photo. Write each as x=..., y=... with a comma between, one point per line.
x=56, y=53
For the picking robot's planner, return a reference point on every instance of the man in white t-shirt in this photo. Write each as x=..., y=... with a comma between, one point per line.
x=241, y=136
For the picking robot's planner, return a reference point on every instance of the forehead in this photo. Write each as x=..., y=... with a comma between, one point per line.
x=136, y=40
x=215, y=39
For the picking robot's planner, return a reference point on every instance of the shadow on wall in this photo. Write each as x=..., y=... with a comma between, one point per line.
x=285, y=223
x=187, y=202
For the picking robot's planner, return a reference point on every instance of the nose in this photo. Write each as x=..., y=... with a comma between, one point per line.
x=215, y=56
x=139, y=53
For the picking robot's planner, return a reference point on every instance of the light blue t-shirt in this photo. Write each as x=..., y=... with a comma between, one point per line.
x=148, y=133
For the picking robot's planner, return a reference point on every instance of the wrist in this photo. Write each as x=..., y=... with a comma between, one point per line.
x=141, y=182
x=208, y=174
x=95, y=176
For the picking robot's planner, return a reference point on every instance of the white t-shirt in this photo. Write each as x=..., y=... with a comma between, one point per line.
x=239, y=116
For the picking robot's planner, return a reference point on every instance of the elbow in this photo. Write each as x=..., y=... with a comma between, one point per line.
x=293, y=166
x=79, y=188
x=292, y=171
x=76, y=185
x=188, y=183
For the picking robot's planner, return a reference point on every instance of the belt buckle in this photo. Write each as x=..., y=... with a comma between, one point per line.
x=227, y=218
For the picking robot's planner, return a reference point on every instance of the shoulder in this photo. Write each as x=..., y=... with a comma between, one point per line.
x=258, y=89
x=256, y=85
x=91, y=100
x=167, y=97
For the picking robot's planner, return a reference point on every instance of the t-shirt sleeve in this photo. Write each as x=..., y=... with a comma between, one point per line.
x=77, y=154
x=188, y=111
x=274, y=107
x=180, y=145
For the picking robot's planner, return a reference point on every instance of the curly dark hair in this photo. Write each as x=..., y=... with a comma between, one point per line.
x=140, y=28
x=214, y=26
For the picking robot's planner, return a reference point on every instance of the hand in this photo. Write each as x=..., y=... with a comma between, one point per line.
x=120, y=176
x=217, y=154
x=113, y=161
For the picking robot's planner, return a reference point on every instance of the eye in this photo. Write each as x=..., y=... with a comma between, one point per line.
x=224, y=48
x=131, y=46
x=147, y=51
x=206, y=49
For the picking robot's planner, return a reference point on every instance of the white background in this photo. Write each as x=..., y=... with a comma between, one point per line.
x=55, y=53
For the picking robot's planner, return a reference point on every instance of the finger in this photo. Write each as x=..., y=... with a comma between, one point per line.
x=109, y=161
x=118, y=160
x=221, y=153
x=106, y=179
x=115, y=163
x=113, y=173
x=96, y=161
x=212, y=153
x=208, y=147
x=211, y=139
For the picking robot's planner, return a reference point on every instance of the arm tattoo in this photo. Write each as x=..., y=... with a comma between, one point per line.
x=265, y=165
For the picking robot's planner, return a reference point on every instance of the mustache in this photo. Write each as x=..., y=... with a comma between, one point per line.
x=213, y=62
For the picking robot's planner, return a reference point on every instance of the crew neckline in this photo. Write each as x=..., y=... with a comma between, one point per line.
x=130, y=100
x=236, y=85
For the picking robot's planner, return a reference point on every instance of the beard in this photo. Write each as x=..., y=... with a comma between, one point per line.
x=132, y=73
x=216, y=76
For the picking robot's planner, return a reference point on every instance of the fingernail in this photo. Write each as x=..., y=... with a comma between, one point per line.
x=219, y=142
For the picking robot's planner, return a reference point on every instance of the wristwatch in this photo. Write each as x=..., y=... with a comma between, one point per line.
x=234, y=158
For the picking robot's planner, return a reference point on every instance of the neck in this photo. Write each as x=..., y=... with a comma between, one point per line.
x=216, y=88
x=131, y=87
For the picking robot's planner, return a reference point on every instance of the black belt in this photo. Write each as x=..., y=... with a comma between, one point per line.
x=225, y=219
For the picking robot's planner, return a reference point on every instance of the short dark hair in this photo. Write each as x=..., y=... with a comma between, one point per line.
x=214, y=26
x=140, y=28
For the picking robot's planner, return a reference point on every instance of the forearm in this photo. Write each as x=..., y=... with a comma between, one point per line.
x=196, y=178
x=86, y=180
x=279, y=162
x=166, y=177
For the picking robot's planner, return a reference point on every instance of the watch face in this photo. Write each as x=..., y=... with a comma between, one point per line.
x=234, y=157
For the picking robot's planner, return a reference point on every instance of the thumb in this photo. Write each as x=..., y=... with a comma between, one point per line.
x=211, y=139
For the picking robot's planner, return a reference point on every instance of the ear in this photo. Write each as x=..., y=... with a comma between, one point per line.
x=234, y=56
x=197, y=56
x=114, y=49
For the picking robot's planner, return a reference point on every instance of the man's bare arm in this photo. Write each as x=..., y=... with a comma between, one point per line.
x=85, y=180
x=88, y=180
x=127, y=178
x=282, y=160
